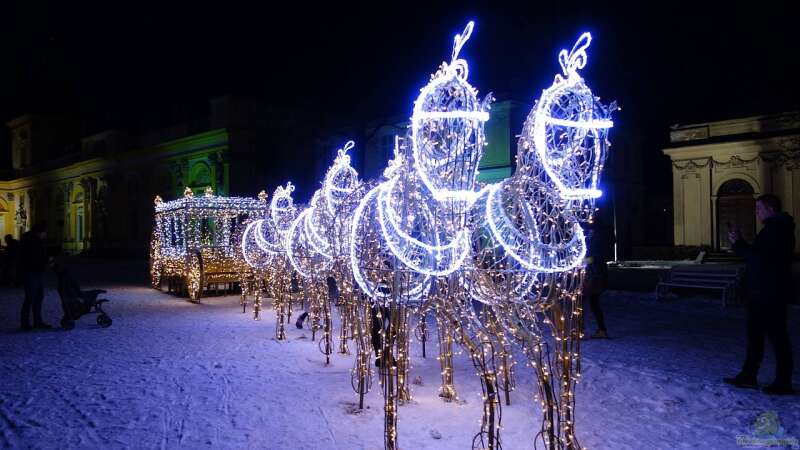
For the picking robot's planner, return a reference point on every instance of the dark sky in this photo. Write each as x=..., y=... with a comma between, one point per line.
x=345, y=63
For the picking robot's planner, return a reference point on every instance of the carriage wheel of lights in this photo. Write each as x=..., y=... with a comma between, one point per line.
x=537, y=243
x=412, y=228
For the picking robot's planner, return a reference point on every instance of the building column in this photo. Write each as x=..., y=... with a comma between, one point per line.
x=716, y=241
x=89, y=185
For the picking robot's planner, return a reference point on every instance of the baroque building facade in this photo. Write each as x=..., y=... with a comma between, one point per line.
x=96, y=193
x=720, y=168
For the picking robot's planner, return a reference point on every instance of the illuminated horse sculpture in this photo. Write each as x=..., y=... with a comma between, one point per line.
x=530, y=270
x=263, y=247
x=411, y=229
x=310, y=247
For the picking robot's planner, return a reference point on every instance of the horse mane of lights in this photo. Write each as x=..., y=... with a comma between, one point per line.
x=415, y=221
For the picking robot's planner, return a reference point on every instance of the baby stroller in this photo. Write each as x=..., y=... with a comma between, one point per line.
x=77, y=303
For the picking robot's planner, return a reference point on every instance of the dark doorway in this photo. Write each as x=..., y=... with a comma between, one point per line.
x=735, y=209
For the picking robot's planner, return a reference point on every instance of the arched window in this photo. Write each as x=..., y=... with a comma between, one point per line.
x=200, y=176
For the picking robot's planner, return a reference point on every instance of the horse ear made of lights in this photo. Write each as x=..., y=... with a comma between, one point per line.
x=528, y=272
x=412, y=228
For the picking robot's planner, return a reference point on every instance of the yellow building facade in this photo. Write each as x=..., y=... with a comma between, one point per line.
x=98, y=195
x=720, y=168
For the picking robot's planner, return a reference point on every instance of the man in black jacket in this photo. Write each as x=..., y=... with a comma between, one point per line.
x=33, y=261
x=768, y=278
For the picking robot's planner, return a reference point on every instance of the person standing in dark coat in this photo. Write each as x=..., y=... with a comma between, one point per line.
x=768, y=281
x=596, y=278
x=33, y=261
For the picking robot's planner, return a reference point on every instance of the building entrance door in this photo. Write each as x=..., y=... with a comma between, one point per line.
x=735, y=210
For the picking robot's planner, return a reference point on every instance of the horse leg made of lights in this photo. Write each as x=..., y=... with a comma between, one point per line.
x=455, y=314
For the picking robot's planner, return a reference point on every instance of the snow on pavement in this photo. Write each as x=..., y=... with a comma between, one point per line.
x=172, y=374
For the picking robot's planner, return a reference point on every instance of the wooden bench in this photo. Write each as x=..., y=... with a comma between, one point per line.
x=723, y=277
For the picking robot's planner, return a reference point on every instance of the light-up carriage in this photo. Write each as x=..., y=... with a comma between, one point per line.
x=195, y=241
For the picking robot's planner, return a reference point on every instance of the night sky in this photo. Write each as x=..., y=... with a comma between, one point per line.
x=335, y=64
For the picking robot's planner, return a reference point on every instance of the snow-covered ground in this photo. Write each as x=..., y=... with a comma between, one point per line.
x=172, y=374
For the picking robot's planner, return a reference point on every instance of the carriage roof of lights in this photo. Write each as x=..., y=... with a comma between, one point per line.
x=442, y=85
x=592, y=120
x=210, y=202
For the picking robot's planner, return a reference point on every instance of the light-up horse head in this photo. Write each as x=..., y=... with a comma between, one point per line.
x=340, y=192
x=447, y=136
x=414, y=223
x=302, y=246
x=535, y=214
x=282, y=210
x=251, y=250
x=340, y=181
x=268, y=234
x=568, y=130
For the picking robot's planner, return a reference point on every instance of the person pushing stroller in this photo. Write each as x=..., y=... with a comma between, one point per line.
x=75, y=302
